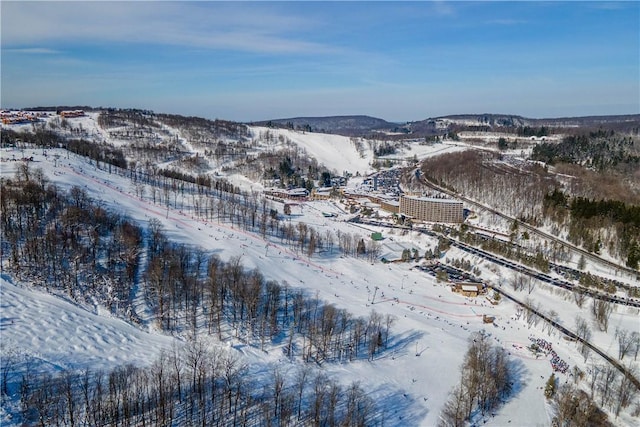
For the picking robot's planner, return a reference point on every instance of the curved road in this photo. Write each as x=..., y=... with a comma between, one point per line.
x=531, y=228
x=544, y=277
x=519, y=268
x=572, y=335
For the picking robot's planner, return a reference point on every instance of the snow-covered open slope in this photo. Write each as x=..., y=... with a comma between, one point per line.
x=429, y=335
x=337, y=153
x=334, y=151
x=432, y=324
x=61, y=335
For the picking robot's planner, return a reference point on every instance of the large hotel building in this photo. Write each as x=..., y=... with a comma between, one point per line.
x=432, y=209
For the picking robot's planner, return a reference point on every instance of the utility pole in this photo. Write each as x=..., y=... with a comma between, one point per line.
x=373, y=300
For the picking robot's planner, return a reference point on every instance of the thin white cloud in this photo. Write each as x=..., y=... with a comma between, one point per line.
x=33, y=51
x=203, y=25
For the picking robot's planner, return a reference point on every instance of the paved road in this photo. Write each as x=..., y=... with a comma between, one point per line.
x=545, y=277
x=562, y=329
x=572, y=335
x=518, y=267
x=532, y=229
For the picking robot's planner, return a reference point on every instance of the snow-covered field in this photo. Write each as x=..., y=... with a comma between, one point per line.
x=429, y=336
x=61, y=335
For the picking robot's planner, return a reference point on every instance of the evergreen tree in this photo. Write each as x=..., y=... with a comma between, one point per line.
x=550, y=388
x=582, y=263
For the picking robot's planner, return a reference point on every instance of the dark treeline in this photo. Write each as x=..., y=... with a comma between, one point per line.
x=65, y=242
x=100, y=152
x=39, y=138
x=585, y=216
x=197, y=385
x=215, y=127
x=615, y=210
x=384, y=149
x=113, y=117
x=61, y=108
x=601, y=150
x=532, y=131
x=203, y=180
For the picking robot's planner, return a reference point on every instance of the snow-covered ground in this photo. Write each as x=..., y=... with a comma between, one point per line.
x=334, y=151
x=429, y=335
x=61, y=335
x=432, y=326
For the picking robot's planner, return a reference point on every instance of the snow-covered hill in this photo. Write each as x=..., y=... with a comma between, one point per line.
x=334, y=151
x=429, y=334
x=411, y=381
x=343, y=125
x=198, y=146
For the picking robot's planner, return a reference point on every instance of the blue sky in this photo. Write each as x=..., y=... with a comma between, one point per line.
x=399, y=61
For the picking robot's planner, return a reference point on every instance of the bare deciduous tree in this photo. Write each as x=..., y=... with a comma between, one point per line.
x=626, y=341
x=601, y=311
x=584, y=333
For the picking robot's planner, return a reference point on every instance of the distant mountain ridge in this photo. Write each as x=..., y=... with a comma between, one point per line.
x=516, y=120
x=343, y=125
x=368, y=126
x=623, y=123
x=365, y=125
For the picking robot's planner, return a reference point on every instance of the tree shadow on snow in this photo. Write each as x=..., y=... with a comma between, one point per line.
x=519, y=377
x=399, y=345
x=397, y=408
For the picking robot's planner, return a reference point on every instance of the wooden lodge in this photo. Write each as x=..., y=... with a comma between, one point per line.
x=469, y=289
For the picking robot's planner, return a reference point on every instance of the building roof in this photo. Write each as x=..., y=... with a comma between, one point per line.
x=434, y=199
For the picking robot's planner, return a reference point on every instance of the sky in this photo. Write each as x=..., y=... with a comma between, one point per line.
x=250, y=61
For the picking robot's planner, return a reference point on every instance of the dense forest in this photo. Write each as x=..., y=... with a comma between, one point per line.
x=597, y=207
x=484, y=176
x=586, y=216
x=600, y=150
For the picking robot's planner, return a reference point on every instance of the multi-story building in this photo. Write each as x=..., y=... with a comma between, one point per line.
x=432, y=209
x=74, y=113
